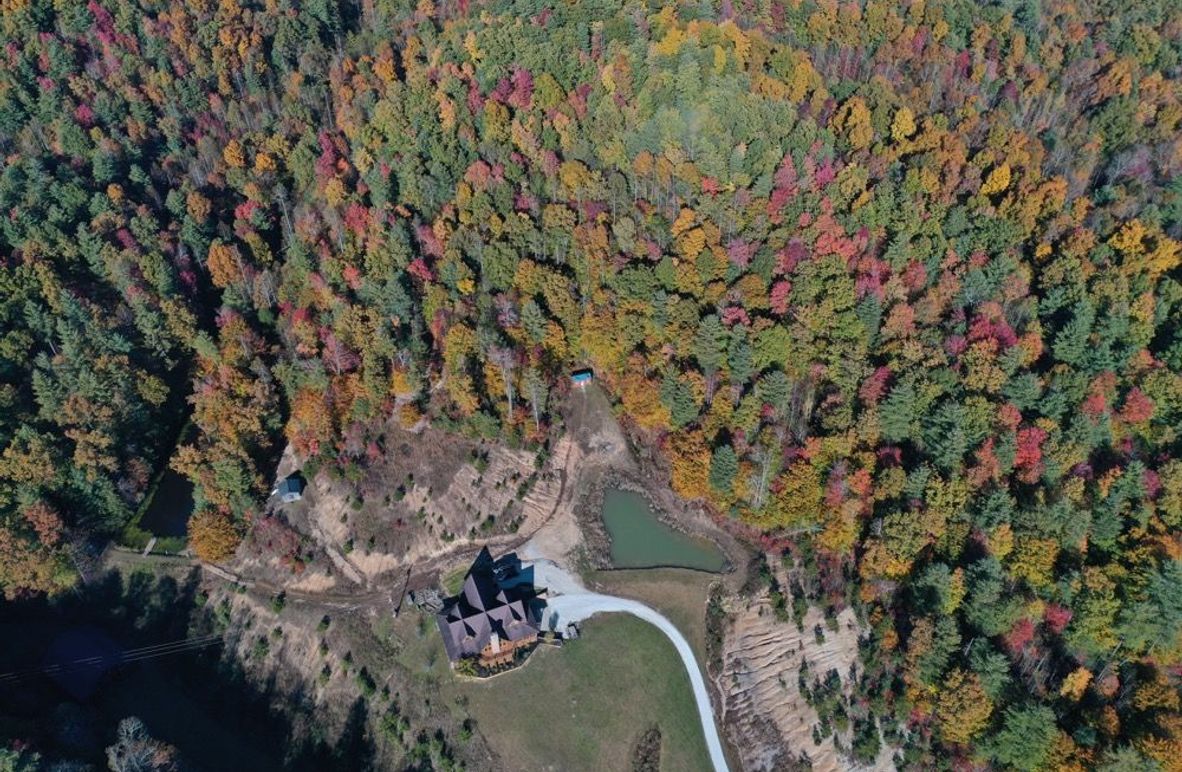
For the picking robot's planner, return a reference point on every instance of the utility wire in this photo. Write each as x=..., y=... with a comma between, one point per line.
x=127, y=655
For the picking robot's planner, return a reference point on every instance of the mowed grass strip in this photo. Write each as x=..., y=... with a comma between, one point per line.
x=678, y=593
x=583, y=707
x=453, y=580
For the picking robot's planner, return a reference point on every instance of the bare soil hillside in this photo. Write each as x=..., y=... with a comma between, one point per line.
x=769, y=721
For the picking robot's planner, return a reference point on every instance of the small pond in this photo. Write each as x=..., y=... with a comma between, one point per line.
x=641, y=540
x=168, y=514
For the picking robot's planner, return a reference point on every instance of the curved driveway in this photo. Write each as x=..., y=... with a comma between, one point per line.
x=571, y=603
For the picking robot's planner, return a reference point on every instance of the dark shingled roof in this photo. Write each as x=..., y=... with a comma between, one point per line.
x=483, y=607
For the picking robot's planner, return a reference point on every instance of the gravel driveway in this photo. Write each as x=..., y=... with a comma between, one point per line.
x=568, y=601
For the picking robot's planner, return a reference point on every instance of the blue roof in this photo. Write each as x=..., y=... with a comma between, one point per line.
x=581, y=376
x=292, y=484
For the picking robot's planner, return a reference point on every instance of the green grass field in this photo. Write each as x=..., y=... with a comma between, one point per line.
x=677, y=593
x=584, y=706
x=453, y=580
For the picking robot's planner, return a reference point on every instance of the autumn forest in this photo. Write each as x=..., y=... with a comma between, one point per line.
x=893, y=288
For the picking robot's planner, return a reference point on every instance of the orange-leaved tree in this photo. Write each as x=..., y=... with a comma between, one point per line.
x=213, y=536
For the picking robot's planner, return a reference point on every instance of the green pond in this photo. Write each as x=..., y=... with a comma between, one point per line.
x=641, y=540
x=168, y=514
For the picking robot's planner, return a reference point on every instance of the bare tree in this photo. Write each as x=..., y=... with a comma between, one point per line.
x=506, y=359
x=535, y=386
x=137, y=751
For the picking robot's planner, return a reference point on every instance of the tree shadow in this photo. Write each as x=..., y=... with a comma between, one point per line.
x=191, y=697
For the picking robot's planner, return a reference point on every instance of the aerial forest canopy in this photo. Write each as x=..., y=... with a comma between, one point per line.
x=893, y=284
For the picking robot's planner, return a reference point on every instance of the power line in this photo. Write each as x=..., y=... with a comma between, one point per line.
x=118, y=658
x=128, y=655
x=192, y=646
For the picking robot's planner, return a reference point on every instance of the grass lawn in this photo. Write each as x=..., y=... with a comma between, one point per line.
x=585, y=705
x=677, y=593
x=453, y=580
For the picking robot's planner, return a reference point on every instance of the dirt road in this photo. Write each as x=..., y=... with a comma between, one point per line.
x=358, y=595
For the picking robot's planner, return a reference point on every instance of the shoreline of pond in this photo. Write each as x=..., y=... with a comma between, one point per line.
x=597, y=539
x=138, y=533
x=639, y=538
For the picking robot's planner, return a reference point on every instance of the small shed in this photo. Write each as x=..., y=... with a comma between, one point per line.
x=291, y=488
x=582, y=377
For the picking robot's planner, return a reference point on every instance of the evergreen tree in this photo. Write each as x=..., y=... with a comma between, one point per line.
x=724, y=465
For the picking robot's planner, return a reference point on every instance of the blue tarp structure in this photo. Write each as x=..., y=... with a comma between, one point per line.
x=292, y=488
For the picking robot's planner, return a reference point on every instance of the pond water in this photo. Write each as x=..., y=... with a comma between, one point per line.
x=168, y=514
x=641, y=540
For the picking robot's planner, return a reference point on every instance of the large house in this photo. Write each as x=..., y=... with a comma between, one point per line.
x=496, y=614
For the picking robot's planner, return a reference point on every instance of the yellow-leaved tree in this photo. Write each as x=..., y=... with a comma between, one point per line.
x=963, y=708
x=213, y=536
x=903, y=125
x=997, y=181
x=854, y=119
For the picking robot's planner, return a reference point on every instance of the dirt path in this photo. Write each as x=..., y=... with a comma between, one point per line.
x=593, y=441
x=364, y=594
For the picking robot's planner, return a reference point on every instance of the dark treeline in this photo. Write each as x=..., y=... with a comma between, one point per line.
x=196, y=709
